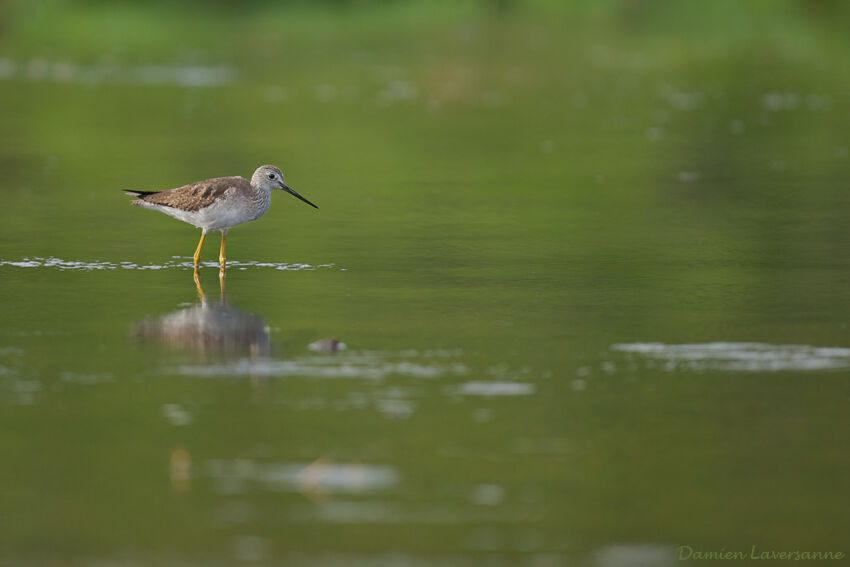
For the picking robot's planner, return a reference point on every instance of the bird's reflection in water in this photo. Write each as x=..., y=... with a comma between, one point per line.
x=210, y=329
x=180, y=469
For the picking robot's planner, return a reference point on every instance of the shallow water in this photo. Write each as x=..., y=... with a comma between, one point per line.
x=574, y=329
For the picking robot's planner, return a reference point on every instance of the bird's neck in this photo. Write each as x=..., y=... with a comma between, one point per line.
x=260, y=191
x=261, y=196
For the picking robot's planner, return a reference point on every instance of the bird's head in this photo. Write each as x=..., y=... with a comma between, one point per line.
x=270, y=177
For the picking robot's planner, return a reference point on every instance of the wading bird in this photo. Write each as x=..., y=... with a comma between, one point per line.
x=219, y=203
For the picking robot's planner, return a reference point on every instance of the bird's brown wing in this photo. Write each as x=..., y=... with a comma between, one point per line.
x=196, y=196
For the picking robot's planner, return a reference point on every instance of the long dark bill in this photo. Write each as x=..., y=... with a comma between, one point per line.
x=292, y=192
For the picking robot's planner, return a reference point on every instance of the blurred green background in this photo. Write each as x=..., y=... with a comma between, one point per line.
x=590, y=260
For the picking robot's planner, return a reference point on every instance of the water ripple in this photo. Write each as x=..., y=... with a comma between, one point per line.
x=38, y=70
x=321, y=476
x=738, y=357
x=491, y=389
x=176, y=262
x=356, y=365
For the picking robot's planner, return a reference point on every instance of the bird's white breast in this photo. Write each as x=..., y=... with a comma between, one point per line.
x=231, y=210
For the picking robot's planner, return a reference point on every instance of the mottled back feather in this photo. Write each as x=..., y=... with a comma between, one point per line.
x=194, y=196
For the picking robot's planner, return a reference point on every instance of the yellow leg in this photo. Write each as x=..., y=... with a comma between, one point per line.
x=222, y=259
x=221, y=275
x=198, y=250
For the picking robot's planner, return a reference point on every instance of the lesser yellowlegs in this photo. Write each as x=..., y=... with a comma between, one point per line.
x=219, y=203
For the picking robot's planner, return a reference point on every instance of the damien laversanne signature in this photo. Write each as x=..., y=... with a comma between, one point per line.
x=688, y=553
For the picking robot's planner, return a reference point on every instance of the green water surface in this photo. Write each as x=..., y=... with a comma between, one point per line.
x=590, y=266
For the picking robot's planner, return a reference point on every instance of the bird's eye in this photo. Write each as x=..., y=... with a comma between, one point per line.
x=271, y=175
